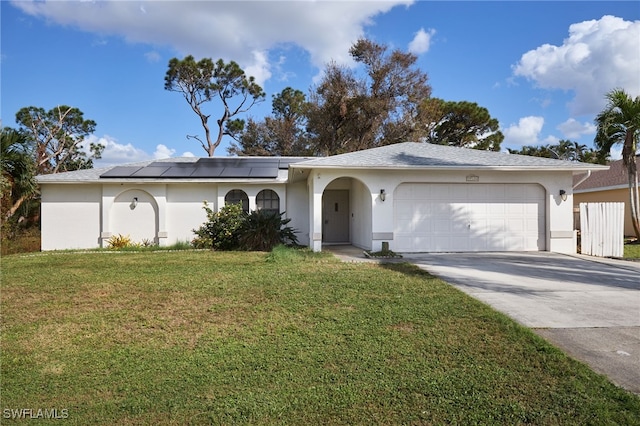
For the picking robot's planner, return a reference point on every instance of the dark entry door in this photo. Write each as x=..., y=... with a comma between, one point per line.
x=335, y=216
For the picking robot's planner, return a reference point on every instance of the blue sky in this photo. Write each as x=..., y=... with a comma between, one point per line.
x=541, y=68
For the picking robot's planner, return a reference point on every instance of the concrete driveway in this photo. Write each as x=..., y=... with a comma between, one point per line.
x=589, y=308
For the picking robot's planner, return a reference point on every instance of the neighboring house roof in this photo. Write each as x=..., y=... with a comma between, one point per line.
x=410, y=155
x=614, y=178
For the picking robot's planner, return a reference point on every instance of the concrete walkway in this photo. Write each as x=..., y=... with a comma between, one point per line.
x=588, y=307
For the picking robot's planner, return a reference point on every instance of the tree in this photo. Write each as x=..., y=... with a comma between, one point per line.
x=619, y=123
x=201, y=82
x=464, y=124
x=333, y=113
x=18, y=172
x=281, y=134
x=255, y=139
x=563, y=150
x=57, y=136
x=348, y=112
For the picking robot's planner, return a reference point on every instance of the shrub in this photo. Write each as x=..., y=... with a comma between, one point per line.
x=232, y=229
x=222, y=229
x=263, y=230
x=119, y=241
x=148, y=243
x=19, y=240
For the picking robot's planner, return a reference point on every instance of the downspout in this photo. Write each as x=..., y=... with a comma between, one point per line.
x=583, y=179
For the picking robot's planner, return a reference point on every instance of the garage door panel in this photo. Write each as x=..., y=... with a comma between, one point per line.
x=440, y=192
x=404, y=192
x=469, y=217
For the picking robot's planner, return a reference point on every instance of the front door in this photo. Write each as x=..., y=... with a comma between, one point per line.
x=335, y=216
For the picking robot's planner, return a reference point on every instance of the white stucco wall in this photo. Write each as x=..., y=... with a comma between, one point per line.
x=70, y=217
x=145, y=222
x=185, y=209
x=360, y=203
x=297, y=209
x=559, y=214
x=86, y=215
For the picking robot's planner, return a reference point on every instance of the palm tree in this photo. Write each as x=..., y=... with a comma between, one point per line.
x=619, y=123
x=18, y=171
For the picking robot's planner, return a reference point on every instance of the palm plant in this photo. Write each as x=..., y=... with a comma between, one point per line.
x=18, y=172
x=263, y=230
x=619, y=123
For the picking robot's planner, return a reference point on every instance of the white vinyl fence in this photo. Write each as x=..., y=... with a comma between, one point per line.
x=602, y=229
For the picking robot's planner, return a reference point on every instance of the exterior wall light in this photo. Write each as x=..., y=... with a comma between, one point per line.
x=134, y=203
x=383, y=195
x=563, y=195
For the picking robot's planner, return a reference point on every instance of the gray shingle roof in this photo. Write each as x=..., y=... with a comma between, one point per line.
x=408, y=155
x=93, y=175
x=615, y=177
x=430, y=156
x=184, y=169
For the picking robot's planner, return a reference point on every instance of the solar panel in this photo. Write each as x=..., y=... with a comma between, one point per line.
x=236, y=172
x=179, y=171
x=120, y=172
x=226, y=167
x=150, y=171
x=206, y=172
x=263, y=172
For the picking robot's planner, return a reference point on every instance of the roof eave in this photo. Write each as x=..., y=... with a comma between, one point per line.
x=164, y=181
x=456, y=168
x=600, y=189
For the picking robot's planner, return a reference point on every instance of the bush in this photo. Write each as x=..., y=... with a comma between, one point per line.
x=263, y=230
x=19, y=240
x=222, y=229
x=232, y=229
x=119, y=241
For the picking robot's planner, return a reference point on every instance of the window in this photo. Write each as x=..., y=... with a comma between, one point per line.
x=236, y=196
x=268, y=200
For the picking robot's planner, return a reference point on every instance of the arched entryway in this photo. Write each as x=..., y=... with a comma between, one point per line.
x=346, y=213
x=135, y=213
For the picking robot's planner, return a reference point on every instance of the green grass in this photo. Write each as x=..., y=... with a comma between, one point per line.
x=290, y=337
x=632, y=251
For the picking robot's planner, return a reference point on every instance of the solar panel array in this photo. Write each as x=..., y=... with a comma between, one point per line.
x=265, y=168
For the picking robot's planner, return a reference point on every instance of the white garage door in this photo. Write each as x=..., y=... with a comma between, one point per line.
x=469, y=217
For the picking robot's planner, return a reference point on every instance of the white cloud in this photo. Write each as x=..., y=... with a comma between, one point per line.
x=162, y=151
x=260, y=69
x=615, y=153
x=152, y=56
x=115, y=152
x=526, y=132
x=230, y=30
x=421, y=42
x=573, y=129
x=598, y=56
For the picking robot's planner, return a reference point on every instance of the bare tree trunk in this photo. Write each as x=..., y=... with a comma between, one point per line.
x=634, y=200
x=629, y=159
x=16, y=206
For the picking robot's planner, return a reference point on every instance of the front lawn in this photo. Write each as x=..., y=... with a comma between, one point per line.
x=632, y=251
x=287, y=338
